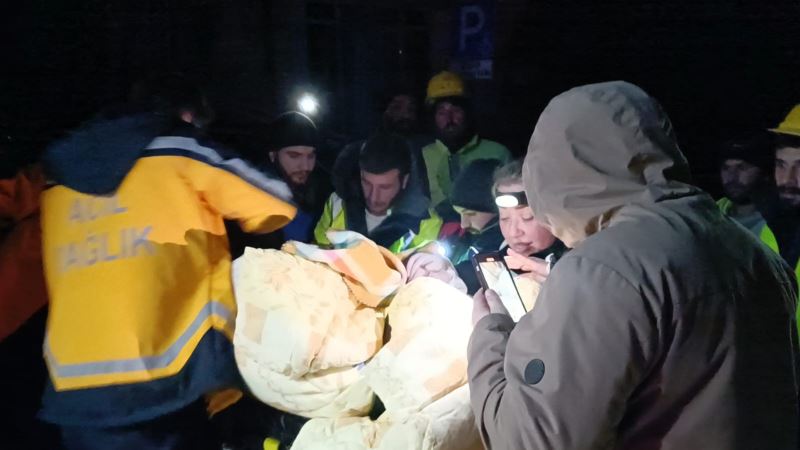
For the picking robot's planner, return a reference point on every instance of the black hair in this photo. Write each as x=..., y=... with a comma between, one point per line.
x=394, y=88
x=753, y=148
x=383, y=152
x=782, y=140
x=289, y=129
x=510, y=173
x=170, y=94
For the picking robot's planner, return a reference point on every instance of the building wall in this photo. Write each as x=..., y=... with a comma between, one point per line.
x=719, y=67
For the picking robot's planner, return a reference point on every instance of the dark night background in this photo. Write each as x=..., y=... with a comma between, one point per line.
x=720, y=68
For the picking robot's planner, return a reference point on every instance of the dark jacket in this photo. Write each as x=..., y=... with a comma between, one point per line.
x=652, y=331
x=786, y=228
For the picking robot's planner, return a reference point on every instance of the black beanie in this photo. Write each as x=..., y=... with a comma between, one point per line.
x=290, y=129
x=754, y=149
x=472, y=188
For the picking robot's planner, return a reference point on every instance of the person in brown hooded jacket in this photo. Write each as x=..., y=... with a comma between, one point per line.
x=667, y=326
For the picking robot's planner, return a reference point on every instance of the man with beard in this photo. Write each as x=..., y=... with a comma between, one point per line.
x=293, y=141
x=744, y=172
x=783, y=231
x=457, y=142
x=401, y=113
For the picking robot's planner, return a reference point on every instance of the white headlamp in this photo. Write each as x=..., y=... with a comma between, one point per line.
x=308, y=104
x=511, y=199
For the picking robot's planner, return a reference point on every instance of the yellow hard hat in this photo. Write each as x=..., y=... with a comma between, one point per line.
x=791, y=124
x=444, y=84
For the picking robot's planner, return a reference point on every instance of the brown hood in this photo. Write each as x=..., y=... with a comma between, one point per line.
x=595, y=149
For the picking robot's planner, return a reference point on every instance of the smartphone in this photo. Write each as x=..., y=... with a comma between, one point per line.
x=494, y=274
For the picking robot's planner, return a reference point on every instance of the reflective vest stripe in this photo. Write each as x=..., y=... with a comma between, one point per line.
x=337, y=210
x=140, y=364
x=189, y=147
x=768, y=238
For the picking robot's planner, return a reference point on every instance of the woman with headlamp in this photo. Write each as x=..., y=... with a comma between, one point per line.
x=528, y=246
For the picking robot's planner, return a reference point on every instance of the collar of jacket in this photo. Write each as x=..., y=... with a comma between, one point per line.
x=494, y=223
x=466, y=148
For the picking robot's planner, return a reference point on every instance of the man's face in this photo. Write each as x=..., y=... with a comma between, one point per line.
x=522, y=233
x=296, y=162
x=474, y=221
x=787, y=175
x=401, y=114
x=380, y=189
x=739, y=179
x=450, y=121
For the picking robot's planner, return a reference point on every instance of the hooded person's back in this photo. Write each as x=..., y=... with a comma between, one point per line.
x=667, y=326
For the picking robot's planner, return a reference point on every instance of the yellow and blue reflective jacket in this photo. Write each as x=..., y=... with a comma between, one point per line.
x=142, y=308
x=416, y=233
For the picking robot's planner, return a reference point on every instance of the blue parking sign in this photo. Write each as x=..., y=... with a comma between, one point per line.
x=475, y=31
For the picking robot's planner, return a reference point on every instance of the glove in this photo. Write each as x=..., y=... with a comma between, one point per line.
x=432, y=265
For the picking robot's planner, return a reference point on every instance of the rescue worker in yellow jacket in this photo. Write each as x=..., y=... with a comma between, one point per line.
x=782, y=232
x=457, y=141
x=138, y=271
x=385, y=209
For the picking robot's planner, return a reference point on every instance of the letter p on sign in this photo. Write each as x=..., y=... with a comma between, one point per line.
x=471, y=23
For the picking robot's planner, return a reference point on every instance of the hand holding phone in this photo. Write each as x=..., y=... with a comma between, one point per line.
x=485, y=303
x=494, y=274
